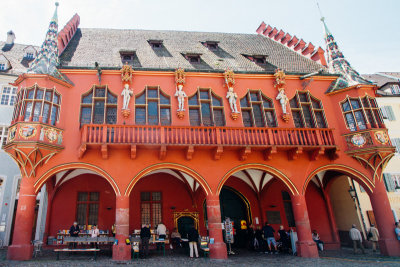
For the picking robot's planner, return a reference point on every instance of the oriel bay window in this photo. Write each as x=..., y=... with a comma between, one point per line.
x=151, y=208
x=152, y=107
x=257, y=110
x=206, y=109
x=38, y=104
x=307, y=111
x=99, y=106
x=358, y=112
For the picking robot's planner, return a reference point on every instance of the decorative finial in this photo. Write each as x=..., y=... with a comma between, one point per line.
x=57, y=4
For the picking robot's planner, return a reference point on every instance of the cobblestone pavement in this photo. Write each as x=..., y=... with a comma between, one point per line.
x=344, y=257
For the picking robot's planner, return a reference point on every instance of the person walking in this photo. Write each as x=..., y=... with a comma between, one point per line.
x=374, y=236
x=269, y=236
x=355, y=236
x=145, y=237
x=193, y=237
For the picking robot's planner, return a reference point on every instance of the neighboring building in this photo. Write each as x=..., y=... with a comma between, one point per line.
x=14, y=60
x=188, y=128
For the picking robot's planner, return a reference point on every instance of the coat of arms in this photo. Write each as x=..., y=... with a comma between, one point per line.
x=27, y=131
x=358, y=140
x=381, y=137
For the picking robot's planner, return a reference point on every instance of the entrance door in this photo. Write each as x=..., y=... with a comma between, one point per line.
x=234, y=207
x=184, y=224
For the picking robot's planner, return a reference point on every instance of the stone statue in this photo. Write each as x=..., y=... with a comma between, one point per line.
x=41, y=136
x=283, y=99
x=126, y=93
x=232, y=96
x=180, y=94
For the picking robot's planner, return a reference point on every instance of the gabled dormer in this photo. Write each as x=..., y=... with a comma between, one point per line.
x=211, y=45
x=29, y=53
x=155, y=44
x=4, y=63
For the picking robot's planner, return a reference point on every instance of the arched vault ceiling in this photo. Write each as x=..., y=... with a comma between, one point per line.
x=73, y=174
x=256, y=179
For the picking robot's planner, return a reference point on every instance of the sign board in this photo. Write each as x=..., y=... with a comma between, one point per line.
x=273, y=217
x=228, y=224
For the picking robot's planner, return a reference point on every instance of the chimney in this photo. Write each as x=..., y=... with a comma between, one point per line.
x=10, y=38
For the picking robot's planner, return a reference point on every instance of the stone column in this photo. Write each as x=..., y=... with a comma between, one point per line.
x=218, y=249
x=21, y=247
x=388, y=243
x=306, y=247
x=122, y=251
x=331, y=215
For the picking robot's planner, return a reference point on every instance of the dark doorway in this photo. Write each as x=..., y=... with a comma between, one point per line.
x=184, y=224
x=235, y=206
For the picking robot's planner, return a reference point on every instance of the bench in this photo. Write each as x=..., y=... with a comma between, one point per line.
x=95, y=250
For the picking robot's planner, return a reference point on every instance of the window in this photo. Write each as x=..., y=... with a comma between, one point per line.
x=35, y=103
x=287, y=205
x=156, y=44
x=3, y=135
x=29, y=56
x=387, y=113
x=127, y=56
x=2, y=66
x=87, y=208
x=193, y=58
x=395, y=89
x=257, y=110
x=307, y=111
x=8, y=95
x=99, y=106
x=211, y=45
x=356, y=110
x=151, y=208
x=392, y=181
x=206, y=109
x=153, y=107
x=396, y=143
x=258, y=59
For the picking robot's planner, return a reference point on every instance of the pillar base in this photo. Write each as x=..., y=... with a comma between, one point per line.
x=20, y=252
x=218, y=251
x=307, y=249
x=389, y=247
x=121, y=252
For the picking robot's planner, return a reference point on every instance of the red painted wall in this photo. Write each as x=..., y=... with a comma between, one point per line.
x=319, y=219
x=64, y=203
x=174, y=194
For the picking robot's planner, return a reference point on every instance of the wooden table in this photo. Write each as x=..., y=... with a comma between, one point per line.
x=95, y=250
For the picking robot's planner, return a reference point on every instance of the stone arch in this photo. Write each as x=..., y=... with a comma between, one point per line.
x=77, y=165
x=271, y=170
x=203, y=183
x=346, y=170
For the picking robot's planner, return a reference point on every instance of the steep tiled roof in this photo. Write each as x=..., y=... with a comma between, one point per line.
x=380, y=80
x=16, y=57
x=104, y=45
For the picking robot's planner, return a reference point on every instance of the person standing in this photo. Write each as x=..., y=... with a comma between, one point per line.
x=175, y=239
x=193, y=237
x=284, y=238
x=374, y=236
x=162, y=233
x=397, y=230
x=74, y=232
x=258, y=239
x=355, y=236
x=145, y=237
x=269, y=236
x=95, y=233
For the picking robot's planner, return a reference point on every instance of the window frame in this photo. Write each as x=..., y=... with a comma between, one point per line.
x=3, y=135
x=153, y=99
x=95, y=98
x=23, y=99
x=250, y=102
x=372, y=108
x=151, y=202
x=211, y=94
x=87, y=203
x=12, y=95
x=309, y=103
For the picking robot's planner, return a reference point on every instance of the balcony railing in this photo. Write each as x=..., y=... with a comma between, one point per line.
x=205, y=136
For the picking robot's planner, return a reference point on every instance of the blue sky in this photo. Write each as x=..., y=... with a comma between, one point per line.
x=367, y=31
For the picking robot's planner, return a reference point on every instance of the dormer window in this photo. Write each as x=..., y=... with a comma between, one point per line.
x=258, y=59
x=193, y=58
x=29, y=52
x=2, y=66
x=156, y=44
x=127, y=56
x=29, y=55
x=211, y=45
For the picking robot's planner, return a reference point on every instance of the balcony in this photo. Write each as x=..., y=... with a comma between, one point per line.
x=268, y=140
x=366, y=140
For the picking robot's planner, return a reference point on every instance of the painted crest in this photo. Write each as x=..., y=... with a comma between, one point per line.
x=11, y=134
x=27, y=131
x=381, y=137
x=51, y=134
x=358, y=140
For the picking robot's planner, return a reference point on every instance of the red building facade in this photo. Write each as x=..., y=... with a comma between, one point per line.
x=106, y=159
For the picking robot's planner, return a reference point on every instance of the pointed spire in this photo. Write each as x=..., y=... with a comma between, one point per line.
x=47, y=60
x=338, y=64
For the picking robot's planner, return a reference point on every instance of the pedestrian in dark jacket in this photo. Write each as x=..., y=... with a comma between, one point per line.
x=270, y=237
x=145, y=237
x=193, y=237
x=74, y=231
